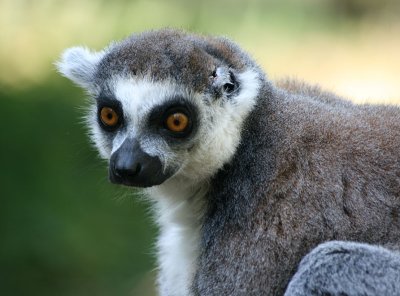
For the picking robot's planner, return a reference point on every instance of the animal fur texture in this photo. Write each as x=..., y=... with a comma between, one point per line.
x=272, y=174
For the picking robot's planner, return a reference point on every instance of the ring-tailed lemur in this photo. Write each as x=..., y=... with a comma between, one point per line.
x=248, y=176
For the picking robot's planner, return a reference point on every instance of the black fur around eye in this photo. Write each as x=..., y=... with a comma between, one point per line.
x=109, y=114
x=177, y=119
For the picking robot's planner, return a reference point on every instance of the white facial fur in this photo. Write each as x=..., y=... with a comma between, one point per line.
x=218, y=134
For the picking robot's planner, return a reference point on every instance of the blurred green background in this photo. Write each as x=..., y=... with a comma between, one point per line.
x=64, y=229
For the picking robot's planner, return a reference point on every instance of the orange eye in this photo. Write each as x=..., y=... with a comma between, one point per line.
x=177, y=122
x=109, y=117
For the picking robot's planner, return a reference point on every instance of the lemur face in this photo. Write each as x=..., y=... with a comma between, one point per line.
x=167, y=105
x=146, y=129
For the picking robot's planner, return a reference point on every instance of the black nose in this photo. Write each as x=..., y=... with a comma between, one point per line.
x=126, y=168
x=131, y=166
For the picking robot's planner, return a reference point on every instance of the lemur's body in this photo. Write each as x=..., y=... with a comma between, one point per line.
x=259, y=175
x=319, y=186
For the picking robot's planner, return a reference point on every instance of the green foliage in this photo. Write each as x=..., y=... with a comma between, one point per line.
x=64, y=229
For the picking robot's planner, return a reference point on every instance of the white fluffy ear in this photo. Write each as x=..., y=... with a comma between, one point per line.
x=79, y=64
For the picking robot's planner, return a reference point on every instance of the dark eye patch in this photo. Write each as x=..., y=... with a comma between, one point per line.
x=159, y=115
x=116, y=106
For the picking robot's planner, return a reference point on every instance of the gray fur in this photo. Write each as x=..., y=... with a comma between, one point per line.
x=346, y=268
x=171, y=54
x=311, y=167
x=307, y=171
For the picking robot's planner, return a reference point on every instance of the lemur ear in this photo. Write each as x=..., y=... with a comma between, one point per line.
x=224, y=81
x=79, y=65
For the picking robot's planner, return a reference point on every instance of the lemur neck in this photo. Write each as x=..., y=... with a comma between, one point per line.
x=179, y=211
x=179, y=202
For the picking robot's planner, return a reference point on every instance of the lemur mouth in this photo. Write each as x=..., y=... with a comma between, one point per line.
x=140, y=180
x=131, y=166
x=134, y=182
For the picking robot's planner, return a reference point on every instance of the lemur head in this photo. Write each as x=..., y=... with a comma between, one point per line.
x=167, y=104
